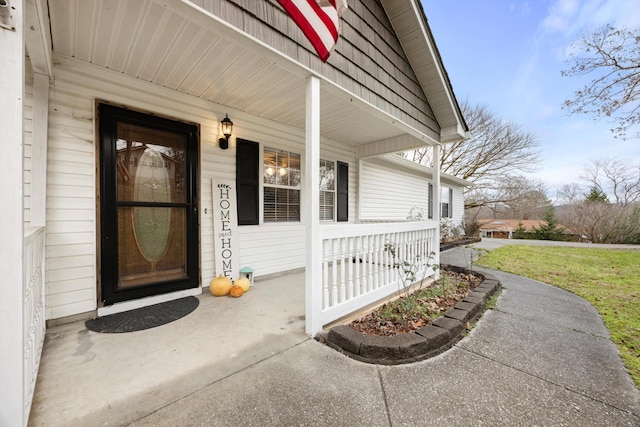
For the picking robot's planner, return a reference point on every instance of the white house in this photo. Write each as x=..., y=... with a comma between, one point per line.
x=409, y=186
x=110, y=124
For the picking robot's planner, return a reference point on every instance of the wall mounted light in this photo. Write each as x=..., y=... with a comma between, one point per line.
x=227, y=128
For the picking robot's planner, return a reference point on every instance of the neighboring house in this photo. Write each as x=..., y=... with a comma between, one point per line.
x=110, y=124
x=504, y=228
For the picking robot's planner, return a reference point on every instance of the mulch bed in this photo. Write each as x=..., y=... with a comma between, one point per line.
x=384, y=321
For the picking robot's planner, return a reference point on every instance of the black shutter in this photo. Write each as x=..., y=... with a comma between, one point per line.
x=450, y=202
x=343, y=191
x=430, y=196
x=247, y=181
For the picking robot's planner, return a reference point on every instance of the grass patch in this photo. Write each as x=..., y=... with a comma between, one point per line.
x=608, y=279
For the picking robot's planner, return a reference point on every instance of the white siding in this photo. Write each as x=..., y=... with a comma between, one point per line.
x=458, y=205
x=71, y=200
x=72, y=181
x=388, y=193
x=28, y=140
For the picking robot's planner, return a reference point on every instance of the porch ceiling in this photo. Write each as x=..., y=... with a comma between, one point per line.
x=174, y=45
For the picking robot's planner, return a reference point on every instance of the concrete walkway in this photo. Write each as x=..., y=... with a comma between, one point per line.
x=541, y=357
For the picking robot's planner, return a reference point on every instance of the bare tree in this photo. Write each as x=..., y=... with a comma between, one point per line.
x=513, y=197
x=612, y=56
x=497, y=149
x=618, y=179
x=602, y=222
x=569, y=193
x=523, y=198
x=607, y=208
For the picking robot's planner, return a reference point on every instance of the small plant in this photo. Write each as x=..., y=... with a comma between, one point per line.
x=412, y=271
x=469, y=256
x=421, y=308
x=409, y=268
x=416, y=213
x=449, y=231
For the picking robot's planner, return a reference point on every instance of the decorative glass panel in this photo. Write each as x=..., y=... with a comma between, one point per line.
x=151, y=172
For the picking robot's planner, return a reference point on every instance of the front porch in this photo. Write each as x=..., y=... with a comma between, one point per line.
x=127, y=376
x=92, y=379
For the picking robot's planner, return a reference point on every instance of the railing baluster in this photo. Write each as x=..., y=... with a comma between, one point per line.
x=376, y=261
x=349, y=266
x=356, y=267
x=325, y=274
x=343, y=266
x=334, y=271
x=370, y=263
x=363, y=267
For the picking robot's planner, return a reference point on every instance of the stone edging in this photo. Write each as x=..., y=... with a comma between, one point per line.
x=461, y=242
x=424, y=343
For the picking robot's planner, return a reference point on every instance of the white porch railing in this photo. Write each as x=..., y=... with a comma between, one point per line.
x=34, y=317
x=358, y=271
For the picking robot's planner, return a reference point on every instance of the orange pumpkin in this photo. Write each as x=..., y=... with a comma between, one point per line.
x=236, y=291
x=220, y=286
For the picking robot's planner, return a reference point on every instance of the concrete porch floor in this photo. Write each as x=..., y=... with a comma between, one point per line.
x=88, y=378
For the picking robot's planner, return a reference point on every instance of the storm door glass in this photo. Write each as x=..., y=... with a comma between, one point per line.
x=154, y=221
x=151, y=229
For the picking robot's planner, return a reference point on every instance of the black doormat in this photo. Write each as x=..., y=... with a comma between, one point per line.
x=143, y=318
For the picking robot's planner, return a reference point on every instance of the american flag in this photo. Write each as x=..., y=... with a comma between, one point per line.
x=319, y=20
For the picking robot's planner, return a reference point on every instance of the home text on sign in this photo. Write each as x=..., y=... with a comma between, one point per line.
x=225, y=226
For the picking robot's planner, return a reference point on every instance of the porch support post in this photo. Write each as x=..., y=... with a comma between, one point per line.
x=437, y=209
x=12, y=389
x=40, y=124
x=311, y=196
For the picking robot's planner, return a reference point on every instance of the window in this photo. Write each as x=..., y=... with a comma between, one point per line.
x=334, y=191
x=281, y=185
x=446, y=202
x=327, y=190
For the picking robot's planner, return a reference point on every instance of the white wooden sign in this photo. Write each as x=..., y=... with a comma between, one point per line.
x=225, y=228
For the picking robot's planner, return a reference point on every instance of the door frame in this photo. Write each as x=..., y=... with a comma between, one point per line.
x=107, y=234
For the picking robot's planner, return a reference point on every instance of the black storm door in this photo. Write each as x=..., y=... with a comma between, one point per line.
x=148, y=205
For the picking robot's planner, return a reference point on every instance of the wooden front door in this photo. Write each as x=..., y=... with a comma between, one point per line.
x=148, y=205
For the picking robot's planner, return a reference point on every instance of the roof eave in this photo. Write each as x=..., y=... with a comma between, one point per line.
x=411, y=26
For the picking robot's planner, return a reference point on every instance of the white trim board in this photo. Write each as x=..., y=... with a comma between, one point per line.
x=146, y=302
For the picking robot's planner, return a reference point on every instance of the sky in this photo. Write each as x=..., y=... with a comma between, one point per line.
x=508, y=54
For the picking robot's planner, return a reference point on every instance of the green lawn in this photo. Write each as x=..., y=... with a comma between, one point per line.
x=608, y=279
